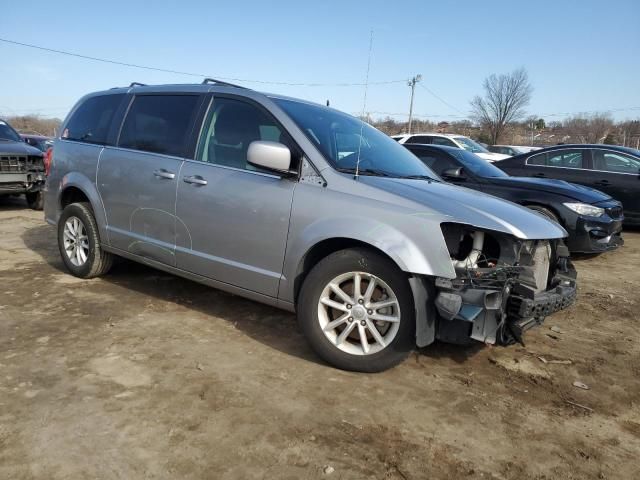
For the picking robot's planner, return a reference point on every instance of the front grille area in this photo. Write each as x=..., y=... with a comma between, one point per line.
x=614, y=212
x=13, y=163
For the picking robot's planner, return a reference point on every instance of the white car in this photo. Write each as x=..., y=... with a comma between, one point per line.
x=512, y=150
x=450, y=140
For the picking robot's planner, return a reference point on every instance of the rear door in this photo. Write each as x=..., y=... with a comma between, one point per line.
x=233, y=218
x=137, y=179
x=618, y=174
x=571, y=165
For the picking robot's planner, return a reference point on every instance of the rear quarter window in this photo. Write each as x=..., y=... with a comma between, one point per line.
x=539, y=160
x=91, y=121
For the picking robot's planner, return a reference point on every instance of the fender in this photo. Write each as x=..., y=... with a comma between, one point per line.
x=403, y=250
x=88, y=187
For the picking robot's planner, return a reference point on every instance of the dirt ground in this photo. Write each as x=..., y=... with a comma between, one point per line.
x=144, y=375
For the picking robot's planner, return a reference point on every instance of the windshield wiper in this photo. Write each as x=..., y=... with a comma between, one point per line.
x=421, y=177
x=365, y=171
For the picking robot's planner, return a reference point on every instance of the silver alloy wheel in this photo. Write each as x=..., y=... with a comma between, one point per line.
x=359, y=313
x=76, y=241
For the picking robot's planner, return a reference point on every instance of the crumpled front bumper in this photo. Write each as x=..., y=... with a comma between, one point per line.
x=11, y=183
x=499, y=315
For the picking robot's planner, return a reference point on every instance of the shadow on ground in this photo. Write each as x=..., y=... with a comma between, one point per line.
x=270, y=326
x=11, y=203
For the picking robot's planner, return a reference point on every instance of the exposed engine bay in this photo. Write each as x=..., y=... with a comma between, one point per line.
x=503, y=285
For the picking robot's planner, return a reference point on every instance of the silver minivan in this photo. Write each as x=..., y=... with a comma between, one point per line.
x=301, y=207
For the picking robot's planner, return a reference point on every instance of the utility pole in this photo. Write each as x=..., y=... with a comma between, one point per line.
x=412, y=84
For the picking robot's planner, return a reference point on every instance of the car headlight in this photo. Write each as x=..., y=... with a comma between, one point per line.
x=585, y=209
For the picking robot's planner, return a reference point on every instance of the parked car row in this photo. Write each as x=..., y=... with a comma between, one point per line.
x=451, y=140
x=593, y=219
x=593, y=216
x=612, y=169
x=305, y=208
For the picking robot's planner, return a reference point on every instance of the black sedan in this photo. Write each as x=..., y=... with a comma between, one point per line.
x=592, y=218
x=612, y=169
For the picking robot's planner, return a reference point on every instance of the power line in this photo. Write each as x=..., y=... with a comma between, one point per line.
x=201, y=75
x=418, y=115
x=441, y=99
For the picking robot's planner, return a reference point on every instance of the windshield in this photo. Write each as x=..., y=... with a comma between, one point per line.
x=470, y=145
x=339, y=137
x=475, y=164
x=8, y=133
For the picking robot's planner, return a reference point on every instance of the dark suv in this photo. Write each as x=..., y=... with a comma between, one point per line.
x=21, y=167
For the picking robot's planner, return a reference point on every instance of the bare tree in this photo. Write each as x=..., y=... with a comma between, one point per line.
x=505, y=97
x=591, y=129
x=35, y=124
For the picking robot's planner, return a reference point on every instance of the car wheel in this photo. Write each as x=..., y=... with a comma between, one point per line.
x=544, y=211
x=356, y=310
x=79, y=242
x=35, y=200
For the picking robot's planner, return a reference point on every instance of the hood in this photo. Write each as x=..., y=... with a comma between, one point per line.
x=18, y=148
x=558, y=187
x=492, y=157
x=463, y=205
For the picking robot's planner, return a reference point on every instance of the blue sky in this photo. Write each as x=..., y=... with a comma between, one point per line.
x=580, y=55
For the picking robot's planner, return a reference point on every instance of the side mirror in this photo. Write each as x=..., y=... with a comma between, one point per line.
x=453, y=173
x=269, y=155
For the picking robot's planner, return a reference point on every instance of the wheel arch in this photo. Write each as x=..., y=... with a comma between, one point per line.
x=551, y=208
x=76, y=187
x=420, y=286
x=324, y=248
x=417, y=251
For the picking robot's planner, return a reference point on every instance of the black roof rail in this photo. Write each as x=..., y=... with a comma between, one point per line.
x=137, y=84
x=220, y=82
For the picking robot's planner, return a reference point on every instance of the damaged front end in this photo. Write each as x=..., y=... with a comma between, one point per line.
x=503, y=285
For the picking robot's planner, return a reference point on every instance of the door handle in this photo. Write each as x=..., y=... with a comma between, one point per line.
x=162, y=173
x=603, y=183
x=539, y=175
x=195, y=180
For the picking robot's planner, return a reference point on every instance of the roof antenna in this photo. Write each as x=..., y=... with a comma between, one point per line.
x=364, y=107
x=328, y=103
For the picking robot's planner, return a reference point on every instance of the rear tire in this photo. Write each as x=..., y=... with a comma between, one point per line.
x=35, y=200
x=79, y=242
x=334, y=319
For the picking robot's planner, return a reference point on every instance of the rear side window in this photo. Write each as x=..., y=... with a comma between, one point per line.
x=566, y=159
x=539, y=160
x=443, y=141
x=91, y=121
x=436, y=161
x=615, y=162
x=159, y=123
x=419, y=139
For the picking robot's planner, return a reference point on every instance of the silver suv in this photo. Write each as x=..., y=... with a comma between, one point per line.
x=301, y=207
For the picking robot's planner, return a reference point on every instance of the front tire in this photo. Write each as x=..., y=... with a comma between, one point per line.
x=356, y=310
x=79, y=242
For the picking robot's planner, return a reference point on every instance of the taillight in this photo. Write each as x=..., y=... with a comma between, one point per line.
x=48, y=157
